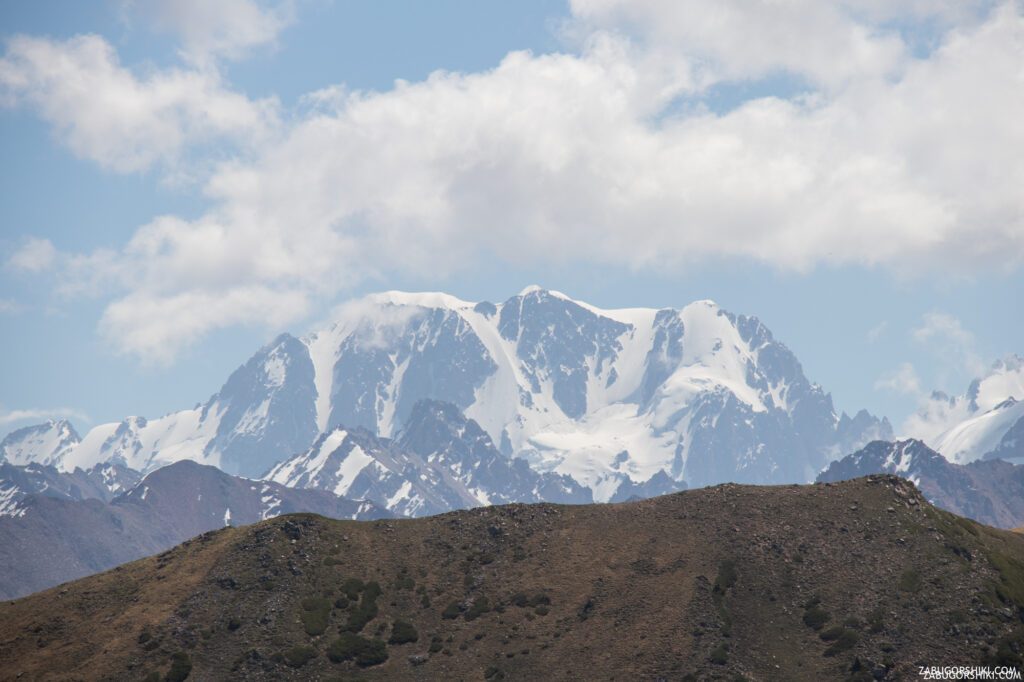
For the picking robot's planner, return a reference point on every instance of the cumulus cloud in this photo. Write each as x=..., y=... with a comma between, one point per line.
x=34, y=255
x=901, y=380
x=126, y=122
x=223, y=29
x=892, y=156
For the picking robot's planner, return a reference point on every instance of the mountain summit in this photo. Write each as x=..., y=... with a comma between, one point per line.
x=618, y=400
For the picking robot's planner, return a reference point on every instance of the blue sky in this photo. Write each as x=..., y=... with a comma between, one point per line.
x=865, y=205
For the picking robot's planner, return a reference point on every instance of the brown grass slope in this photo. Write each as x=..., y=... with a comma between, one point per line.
x=855, y=580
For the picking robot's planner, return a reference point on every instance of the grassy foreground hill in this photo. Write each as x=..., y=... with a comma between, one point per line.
x=857, y=580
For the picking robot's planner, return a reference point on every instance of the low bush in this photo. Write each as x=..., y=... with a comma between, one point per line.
x=181, y=667
x=720, y=654
x=351, y=647
x=846, y=640
x=298, y=656
x=452, y=611
x=352, y=587
x=316, y=612
x=403, y=632
x=479, y=607
x=815, y=617
x=910, y=581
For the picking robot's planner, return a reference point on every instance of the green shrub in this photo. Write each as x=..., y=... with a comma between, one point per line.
x=452, y=611
x=846, y=640
x=152, y=677
x=366, y=610
x=181, y=666
x=493, y=672
x=234, y=624
x=720, y=654
x=910, y=581
x=341, y=603
x=832, y=634
x=435, y=644
x=405, y=582
x=519, y=599
x=352, y=587
x=542, y=610
x=540, y=599
x=815, y=617
x=316, y=612
x=876, y=620
x=479, y=607
x=365, y=652
x=298, y=656
x=726, y=576
x=403, y=632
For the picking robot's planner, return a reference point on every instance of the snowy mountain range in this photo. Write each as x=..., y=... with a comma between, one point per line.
x=986, y=422
x=619, y=401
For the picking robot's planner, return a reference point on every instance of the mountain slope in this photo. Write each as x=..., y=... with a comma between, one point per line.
x=441, y=461
x=990, y=492
x=51, y=539
x=103, y=482
x=858, y=580
x=47, y=443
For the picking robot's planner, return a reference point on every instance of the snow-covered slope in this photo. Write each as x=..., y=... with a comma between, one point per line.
x=986, y=422
x=620, y=400
x=103, y=482
x=46, y=443
x=440, y=462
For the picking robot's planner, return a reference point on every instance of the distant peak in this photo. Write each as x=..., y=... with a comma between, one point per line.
x=532, y=289
x=424, y=299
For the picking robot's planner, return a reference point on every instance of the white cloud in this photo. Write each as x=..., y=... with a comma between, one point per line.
x=223, y=28
x=902, y=380
x=125, y=122
x=946, y=337
x=606, y=155
x=34, y=255
x=157, y=327
x=8, y=306
x=12, y=416
x=877, y=331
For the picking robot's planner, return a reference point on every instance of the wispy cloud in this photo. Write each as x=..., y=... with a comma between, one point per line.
x=902, y=380
x=877, y=331
x=13, y=416
x=947, y=338
x=34, y=255
x=228, y=29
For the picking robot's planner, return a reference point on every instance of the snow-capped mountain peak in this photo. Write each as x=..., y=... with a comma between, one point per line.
x=45, y=443
x=987, y=421
x=613, y=399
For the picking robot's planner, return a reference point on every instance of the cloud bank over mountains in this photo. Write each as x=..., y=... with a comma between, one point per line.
x=635, y=147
